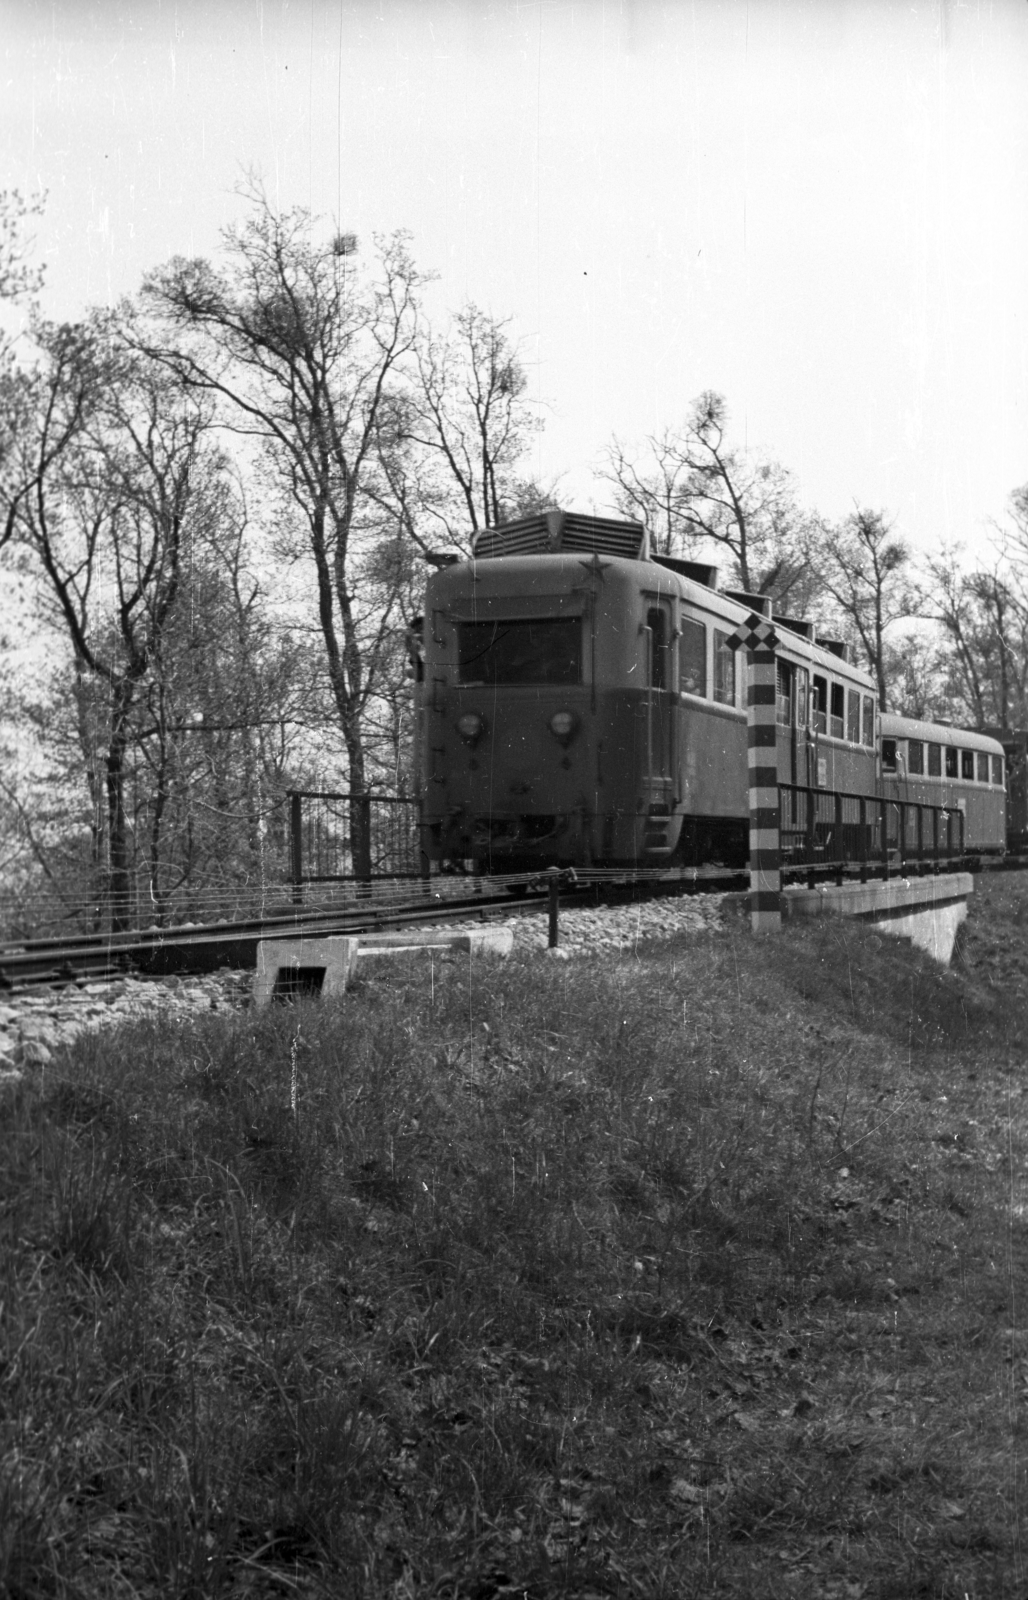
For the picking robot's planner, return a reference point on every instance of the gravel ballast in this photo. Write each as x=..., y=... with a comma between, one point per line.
x=33, y=1025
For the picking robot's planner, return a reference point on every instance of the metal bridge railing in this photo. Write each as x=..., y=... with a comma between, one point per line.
x=825, y=829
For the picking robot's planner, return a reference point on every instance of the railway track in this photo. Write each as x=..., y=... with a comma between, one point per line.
x=191, y=949
x=178, y=950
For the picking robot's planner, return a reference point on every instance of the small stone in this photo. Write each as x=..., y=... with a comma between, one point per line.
x=40, y=1029
x=32, y=1053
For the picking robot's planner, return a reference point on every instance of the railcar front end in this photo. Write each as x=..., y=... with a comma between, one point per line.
x=538, y=736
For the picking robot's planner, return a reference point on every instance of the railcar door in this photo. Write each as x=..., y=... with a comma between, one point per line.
x=801, y=759
x=785, y=718
x=659, y=702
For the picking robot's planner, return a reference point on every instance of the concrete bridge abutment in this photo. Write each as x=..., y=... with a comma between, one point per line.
x=928, y=910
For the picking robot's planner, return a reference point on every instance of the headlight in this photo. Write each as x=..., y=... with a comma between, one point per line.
x=471, y=727
x=564, y=726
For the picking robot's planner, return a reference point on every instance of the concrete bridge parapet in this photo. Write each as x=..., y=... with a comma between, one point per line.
x=926, y=910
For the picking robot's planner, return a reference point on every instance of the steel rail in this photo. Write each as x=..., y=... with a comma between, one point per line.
x=161, y=952
x=180, y=949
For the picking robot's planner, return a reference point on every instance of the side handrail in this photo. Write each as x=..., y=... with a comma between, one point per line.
x=815, y=831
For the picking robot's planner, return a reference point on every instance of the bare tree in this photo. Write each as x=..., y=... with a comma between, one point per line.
x=695, y=489
x=223, y=728
x=116, y=465
x=983, y=613
x=655, y=489
x=19, y=280
x=306, y=355
x=224, y=719
x=951, y=605
x=18, y=277
x=175, y=704
x=863, y=568
x=47, y=409
x=917, y=670
x=471, y=414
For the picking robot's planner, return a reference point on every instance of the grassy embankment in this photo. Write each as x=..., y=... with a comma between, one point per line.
x=700, y=1272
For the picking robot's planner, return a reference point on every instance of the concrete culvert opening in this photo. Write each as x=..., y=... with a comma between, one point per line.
x=293, y=982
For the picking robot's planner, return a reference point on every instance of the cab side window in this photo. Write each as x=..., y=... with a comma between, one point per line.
x=869, y=720
x=997, y=769
x=692, y=657
x=983, y=767
x=724, y=670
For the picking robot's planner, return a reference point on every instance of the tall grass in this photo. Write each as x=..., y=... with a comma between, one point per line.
x=695, y=1273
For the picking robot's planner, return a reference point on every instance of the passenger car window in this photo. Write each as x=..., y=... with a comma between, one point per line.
x=819, y=705
x=692, y=657
x=869, y=720
x=951, y=761
x=784, y=680
x=838, y=711
x=889, y=755
x=997, y=769
x=983, y=767
x=853, y=717
x=967, y=764
x=935, y=760
x=915, y=756
x=724, y=670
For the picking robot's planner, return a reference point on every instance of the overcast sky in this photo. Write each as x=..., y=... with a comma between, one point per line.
x=817, y=207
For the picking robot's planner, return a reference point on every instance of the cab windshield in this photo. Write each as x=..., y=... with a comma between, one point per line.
x=542, y=650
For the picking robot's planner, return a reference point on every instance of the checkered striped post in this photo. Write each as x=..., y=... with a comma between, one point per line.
x=758, y=638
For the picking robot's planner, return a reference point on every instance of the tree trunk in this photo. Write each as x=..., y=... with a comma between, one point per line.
x=360, y=808
x=160, y=800
x=119, y=870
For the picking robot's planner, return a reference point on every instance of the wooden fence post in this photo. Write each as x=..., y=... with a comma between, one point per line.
x=758, y=638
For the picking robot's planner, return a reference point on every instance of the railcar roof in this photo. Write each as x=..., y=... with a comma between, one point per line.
x=507, y=576
x=894, y=727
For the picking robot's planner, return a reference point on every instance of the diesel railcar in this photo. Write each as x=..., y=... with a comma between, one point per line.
x=581, y=706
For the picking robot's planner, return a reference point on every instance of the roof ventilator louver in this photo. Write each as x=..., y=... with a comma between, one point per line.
x=760, y=603
x=551, y=532
x=795, y=625
x=696, y=571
